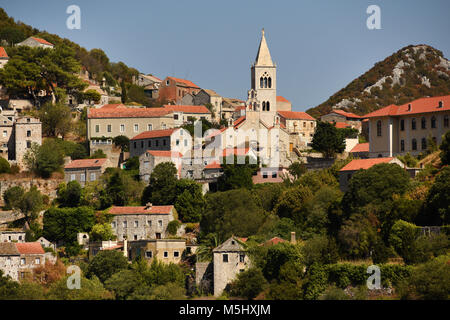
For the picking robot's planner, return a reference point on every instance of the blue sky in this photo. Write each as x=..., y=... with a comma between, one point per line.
x=319, y=46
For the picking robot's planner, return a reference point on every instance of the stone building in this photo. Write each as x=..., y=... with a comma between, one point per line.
x=229, y=259
x=174, y=89
x=151, y=158
x=11, y=235
x=205, y=96
x=139, y=223
x=176, y=140
x=18, y=259
x=397, y=130
x=17, y=136
x=301, y=127
x=165, y=250
x=36, y=43
x=183, y=114
x=342, y=118
x=85, y=170
x=3, y=57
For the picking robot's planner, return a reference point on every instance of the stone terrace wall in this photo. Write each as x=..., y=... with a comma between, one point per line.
x=46, y=186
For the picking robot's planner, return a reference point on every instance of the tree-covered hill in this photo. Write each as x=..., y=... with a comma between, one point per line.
x=412, y=72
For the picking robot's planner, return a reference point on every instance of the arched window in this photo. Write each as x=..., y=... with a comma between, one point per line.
x=413, y=124
x=265, y=82
x=414, y=144
x=446, y=121
x=261, y=82
x=424, y=144
x=379, y=128
x=270, y=82
x=267, y=106
x=424, y=123
x=433, y=122
x=264, y=106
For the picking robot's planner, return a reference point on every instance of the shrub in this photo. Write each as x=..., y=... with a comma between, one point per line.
x=4, y=166
x=173, y=226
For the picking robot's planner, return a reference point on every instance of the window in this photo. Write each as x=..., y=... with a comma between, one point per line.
x=261, y=82
x=265, y=82
x=268, y=106
x=136, y=224
x=225, y=257
x=166, y=254
x=148, y=254
x=8, y=261
x=92, y=176
x=264, y=175
x=37, y=261
x=241, y=257
x=167, y=82
x=185, y=142
x=22, y=261
x=142, y=144
x=264, y=106
x=433, y=122
x=149, y=223
x=72, y=177
x=402, y=145
x=135, y=237
x=270, y=82
x=424, y=144
x=424, y=123
x=402, y=125
x=158, y=235
x=159, y=223
x=446, y=121
x=5, y=133
x=135, y=145
x=413, y=124
x=82, y=177
x=136, y=128
x=274, y=174
x=177, y=142
x=97, y=128
x=125, y=224
x=149, y=143
x=28, y=133
x=109, y=128
x=146, y=164
x=113, y=224
x=156, y=142
x=379, y=128
x=28, y=144
x=175, y=117
x=122, y=128
x=176, y=254
x=414, y=144
x=164, y=126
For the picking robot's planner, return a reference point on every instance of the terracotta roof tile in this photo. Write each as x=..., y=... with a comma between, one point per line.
x=364, y=163
x=165, y=153
x=85, y=163
x=274, y=240
x=361, y=147
x=239, y=121
x=140, y=210
x=346, y=114
x=42, y=41
x=422, y=105
x=3, y=54
x=113, y=106
x=187, y=109
x=282, y=99
x=184, y=82
x=213, y=165
x=154, y=134
x=30, y=248
x=341, y=125
x=8, y=249
x=296, y=115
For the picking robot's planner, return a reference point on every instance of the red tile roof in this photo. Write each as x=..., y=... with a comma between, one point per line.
x=235, y=151
x=42, y=41
x=140, y=210
x=30, y=248
x=274, y=240
x=184, y=82
x=364, y=163
x=239, y=121
x=346, y=114
x=187, y=109
x=154, y=134
x=239, y=108
x=361, y=147
x=85, y=163
x=282, y=99
x=3, y=54
x=119, y=246
x=422, y=105
x=213, y=165
x=127, y=112
x=165, y=153
x=341, y=125
x=295, y=115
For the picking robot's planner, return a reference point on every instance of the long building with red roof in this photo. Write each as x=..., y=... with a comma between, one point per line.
x=397, y=130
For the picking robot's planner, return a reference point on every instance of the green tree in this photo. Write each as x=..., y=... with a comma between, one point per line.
x=123, y=142
x=56, y=119
x=436, y=209
x=4, y=166
x=123, y=283
x=296, y=169
x=69, y=195
x=162, y=185
x=402, y=238
x=12, y=197
x=277, y=256
x=328, y=140
x=291, y=203
x=102, y=232
x=445, y=148
x=92, y=96
x=248, y=284
x=105, y=264
x=235, y=175
x=90, y=289
x=189, y=201
x=430, y=281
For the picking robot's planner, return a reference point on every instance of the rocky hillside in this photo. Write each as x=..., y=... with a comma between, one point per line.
x=410, y=73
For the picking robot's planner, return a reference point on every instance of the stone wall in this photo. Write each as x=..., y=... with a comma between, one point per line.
x=204, y=277
x=46, y=186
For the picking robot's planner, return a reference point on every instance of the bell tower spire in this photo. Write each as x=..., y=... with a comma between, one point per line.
x=263, y=57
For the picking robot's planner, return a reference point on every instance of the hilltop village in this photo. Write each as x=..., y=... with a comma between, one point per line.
x=197, y=195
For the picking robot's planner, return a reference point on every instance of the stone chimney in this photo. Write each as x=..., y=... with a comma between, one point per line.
x=293, y=241
x=148, y=205
x=125, y=248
